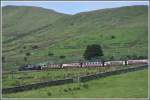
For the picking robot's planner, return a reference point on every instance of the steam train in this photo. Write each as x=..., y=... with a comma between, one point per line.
x=83, y=64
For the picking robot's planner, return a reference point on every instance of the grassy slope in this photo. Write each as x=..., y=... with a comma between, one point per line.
x=129, y=85
x=22, y=78
x=29, y=77
x=69, y=34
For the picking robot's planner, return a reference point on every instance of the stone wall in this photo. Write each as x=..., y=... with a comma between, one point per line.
x=104, y=74
x=36, y=85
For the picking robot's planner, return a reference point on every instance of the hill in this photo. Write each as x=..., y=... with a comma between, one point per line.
x=46, y=35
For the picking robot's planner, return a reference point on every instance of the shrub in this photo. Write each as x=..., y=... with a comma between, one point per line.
x=35, y=47
x=69, y=89
x=76, y=88
x=25, y=59
x=129, y=57
x=111, y=58
x=28, y=54
x=85, y=86
x=112, y=37
x=134, y=56
x=3, y=59
x=142, y=57
x=62, y=57
x=49, y=93
x=65, y=90
x=24, y=47
x=50, y=54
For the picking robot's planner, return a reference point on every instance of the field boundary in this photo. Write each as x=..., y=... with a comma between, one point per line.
x=109, y=73
x=71, y=80
x=36, y=85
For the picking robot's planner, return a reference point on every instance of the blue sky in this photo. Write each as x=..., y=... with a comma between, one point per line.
x=73, y=7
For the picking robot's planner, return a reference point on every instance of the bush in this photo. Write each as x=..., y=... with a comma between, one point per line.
x=24, y=47
x=142, y=57
x=65, y=90
x=129, y=57
x=112, y=37
x=85, y=86
x=69, y=89
x=3, y=59
x=28, y=54
x=111, y=58
x=62, y=57
x=25, y=59
x=49, y=93
x=35, y=47
x=76, y=88
x=50, y=54
x=134, y=57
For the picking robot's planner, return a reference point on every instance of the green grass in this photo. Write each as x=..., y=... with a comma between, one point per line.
x=28, y=77
x=70, y=34
x=129, y=85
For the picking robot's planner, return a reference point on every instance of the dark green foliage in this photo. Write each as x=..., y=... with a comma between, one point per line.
x=3, y=59
x=35, y=47
x=50, y=54
x=24, y=47
x=62, y=57
x=65, y=90
x=112, y=37
x=25, y=59
x=129, y=57
x=49, y=93
x=111, y=58
x=93, y=51
x=69, y=89
x=85, y=86
x=142, y=57
x=76, y=88
x=28, y=54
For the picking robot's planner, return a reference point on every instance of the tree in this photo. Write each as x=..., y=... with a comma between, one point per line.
x=93, y=51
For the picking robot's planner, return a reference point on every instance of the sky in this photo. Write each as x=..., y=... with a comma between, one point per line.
x=73, y=7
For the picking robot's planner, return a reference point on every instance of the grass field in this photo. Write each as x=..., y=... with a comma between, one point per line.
x=129, y=85
x=29, y=77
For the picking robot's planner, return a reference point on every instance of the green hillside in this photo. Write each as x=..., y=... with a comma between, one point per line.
x=120, y=31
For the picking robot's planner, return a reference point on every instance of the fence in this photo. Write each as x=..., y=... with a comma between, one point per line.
x=71, y=80
x=104, y=74
x=36, y=85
